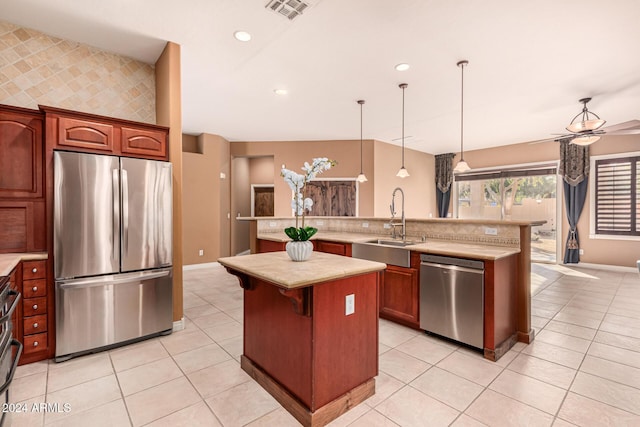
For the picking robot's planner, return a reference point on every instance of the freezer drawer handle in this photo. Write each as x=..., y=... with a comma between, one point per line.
x=5, y=386
x=74, y=284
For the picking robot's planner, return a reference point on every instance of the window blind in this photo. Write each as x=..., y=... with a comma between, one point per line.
x=617, y=187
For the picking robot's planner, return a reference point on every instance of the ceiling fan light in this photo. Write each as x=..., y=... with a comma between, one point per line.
x=585, y=140
x=586, y=125
x=402, y=173
x=361, y=178
x=461, y=167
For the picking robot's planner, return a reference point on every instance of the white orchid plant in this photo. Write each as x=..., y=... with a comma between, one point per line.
x=299, y=203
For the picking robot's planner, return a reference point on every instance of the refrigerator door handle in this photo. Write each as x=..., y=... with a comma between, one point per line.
x=115, y=227
x=125, y=212
x=100, y=281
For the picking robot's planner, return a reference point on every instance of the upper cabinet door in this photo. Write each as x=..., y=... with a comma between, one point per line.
x=20, y=155
x=86, y=134
x=143, y=142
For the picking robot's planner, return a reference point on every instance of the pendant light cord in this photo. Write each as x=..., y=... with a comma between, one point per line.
x=403, y=86
x=360, y=135
x=462, y=114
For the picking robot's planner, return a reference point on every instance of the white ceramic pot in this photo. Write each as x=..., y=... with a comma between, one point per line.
x=299, y=251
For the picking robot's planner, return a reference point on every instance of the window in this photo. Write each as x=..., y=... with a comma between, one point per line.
x=616, y=196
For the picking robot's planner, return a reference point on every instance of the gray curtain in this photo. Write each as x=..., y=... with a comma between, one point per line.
x=574, y=169
x=444, y=178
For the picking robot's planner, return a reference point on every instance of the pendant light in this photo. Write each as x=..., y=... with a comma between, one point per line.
x=403, y=172
x=361, y=178
x=462, y=166
x=583, y=129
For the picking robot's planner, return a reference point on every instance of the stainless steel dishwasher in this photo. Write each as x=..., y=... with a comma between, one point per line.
x=452, y=298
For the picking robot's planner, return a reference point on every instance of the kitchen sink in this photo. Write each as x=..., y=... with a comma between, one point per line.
x=391, y=252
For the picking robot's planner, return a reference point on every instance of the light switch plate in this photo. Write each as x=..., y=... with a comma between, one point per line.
x=349, y=304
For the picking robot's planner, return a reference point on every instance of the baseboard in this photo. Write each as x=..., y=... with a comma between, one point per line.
x=178, y=325
x=616, y=268
x=198, y=266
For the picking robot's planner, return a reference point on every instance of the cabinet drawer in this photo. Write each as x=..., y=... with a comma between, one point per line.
x=34, y=288
x=35, y=324
x=34, y=306
x=34, y=270
x=35, y=343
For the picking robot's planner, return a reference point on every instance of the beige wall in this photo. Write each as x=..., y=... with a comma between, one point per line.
x=294, y=153
x=262, y=170
x=40, y=69
x=419, y=187
x=206, y=199
x=169, y=113
x=596, y=251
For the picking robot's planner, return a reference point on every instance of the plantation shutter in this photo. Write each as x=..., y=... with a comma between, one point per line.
x=617, y=186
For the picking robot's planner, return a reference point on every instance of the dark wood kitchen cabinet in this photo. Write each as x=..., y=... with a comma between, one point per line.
x=83, y=132
x=22, y=207
x=399, y=295
x=335, y=248
x=35, y=316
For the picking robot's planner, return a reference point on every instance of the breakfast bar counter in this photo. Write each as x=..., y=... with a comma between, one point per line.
x=310, y=330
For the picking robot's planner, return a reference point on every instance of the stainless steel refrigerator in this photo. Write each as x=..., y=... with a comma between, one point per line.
x=112, y=251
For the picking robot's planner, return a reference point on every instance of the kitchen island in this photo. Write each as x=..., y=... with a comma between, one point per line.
x=310, y=330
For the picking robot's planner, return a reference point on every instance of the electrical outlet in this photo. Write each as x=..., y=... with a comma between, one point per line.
x=319, y=222
x=365, y=225
x=581, y=251
x=387, y=226
x=491, y=231
x=349, y=304
x=201, y=252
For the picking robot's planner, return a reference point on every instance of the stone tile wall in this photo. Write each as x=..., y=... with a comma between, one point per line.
x=36, y=68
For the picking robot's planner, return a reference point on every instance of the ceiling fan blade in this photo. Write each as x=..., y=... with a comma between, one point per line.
x=631, y=131
x=631, y=124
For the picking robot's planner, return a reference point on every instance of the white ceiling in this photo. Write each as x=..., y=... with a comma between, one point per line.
x=529, y=63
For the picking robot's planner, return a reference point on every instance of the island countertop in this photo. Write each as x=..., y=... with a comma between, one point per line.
x=277, y=268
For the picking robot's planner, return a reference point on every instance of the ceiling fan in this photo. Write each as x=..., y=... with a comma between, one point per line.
x=587, y=127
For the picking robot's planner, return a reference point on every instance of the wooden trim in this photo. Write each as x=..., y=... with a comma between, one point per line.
x=93, y=117
x=501, y=349
x=300, y=299
x=321, y=416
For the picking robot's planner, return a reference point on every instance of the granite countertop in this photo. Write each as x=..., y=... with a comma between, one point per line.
x=436, y=247
x=424, y=220
x=9, y=261
x=277, y=268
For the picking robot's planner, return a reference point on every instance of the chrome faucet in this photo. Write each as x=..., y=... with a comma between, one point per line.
x=393, y=214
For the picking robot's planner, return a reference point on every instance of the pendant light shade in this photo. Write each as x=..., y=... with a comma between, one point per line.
x=403, y=172
x=462, y=166
x=361, y=178
x=588, y=120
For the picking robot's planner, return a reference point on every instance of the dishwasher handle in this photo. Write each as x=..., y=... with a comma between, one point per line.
x=452, y=267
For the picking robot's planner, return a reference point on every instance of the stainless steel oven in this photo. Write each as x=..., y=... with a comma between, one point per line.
x=10, y=348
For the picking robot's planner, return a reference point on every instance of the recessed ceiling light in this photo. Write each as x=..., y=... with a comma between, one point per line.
x=242, y=36
x=280, y=91
x=402, y=67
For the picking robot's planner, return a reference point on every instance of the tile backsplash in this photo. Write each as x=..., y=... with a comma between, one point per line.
x=434, y=229
x=40, y=69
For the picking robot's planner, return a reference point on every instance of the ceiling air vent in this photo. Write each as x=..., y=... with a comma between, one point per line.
x=288, y=8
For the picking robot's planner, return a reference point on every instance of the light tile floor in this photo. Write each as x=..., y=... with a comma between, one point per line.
x=582, y=369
